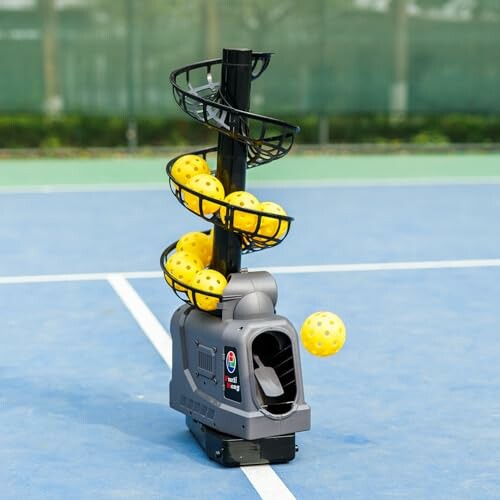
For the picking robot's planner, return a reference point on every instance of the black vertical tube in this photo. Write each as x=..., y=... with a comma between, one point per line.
x=235, y=84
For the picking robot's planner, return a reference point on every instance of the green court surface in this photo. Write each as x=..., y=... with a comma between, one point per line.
x=297, y=168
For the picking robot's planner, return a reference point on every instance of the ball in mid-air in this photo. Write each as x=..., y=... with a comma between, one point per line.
x=182, y=266
x=206, y=185
x=244, y=221
x=197, y=243
x=207, y=280
x=188, y=166
x=323, y=333
x=271, y=228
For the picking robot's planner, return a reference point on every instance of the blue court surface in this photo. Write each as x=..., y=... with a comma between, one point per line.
x=410, y=408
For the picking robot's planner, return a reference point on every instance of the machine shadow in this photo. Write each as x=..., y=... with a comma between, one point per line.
x=149, y=422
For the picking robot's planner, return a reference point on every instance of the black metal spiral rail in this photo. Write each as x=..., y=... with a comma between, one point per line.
x=198, y=94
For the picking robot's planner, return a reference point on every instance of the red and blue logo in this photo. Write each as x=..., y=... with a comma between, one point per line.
x=231, y=362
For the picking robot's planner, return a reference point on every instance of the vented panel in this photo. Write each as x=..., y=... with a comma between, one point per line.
x=195, y=407
x=206, y=361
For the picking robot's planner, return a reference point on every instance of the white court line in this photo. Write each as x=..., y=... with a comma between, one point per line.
x=266, y=482
x=85, y=188
x=150, y=325
x=285, y=184
x=376, y=182
x=52, y=278
x=262, y=477
x=321, y=268
x=384, y=266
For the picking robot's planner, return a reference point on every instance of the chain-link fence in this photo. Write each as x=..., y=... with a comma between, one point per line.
x=113, y=57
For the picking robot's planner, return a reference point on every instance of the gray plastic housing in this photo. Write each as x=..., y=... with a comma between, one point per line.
x=219, y=389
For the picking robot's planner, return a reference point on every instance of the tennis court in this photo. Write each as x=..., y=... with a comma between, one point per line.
x=404, y=248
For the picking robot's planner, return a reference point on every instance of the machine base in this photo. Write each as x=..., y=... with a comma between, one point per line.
x=233, y=451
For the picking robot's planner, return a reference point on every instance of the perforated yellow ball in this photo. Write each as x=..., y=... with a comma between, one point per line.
x=207, y=185
x=197, y=243
x=188, y=166
x=207, y=280
x=243, y=221
x=270, y=227
x=182, y=266
x=323, y=333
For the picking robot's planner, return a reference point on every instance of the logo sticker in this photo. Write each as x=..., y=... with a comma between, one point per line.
x=232, y=387
x=231, y=362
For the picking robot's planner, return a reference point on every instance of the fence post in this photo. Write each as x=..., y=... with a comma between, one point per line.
x=131, y=133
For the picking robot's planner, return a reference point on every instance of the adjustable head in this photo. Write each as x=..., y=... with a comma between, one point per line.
x=249, y=295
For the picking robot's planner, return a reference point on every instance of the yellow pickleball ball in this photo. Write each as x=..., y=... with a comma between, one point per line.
x=182, y=266
x=207, y=280
x=323, y=333
x=207, y=185
x=271, y=228
x=243, y=221
x=188, y=166
x=197, y=243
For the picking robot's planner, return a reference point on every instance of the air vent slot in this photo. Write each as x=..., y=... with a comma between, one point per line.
x=206, y=361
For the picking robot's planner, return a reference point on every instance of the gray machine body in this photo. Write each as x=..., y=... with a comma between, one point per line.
x=215, y=358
